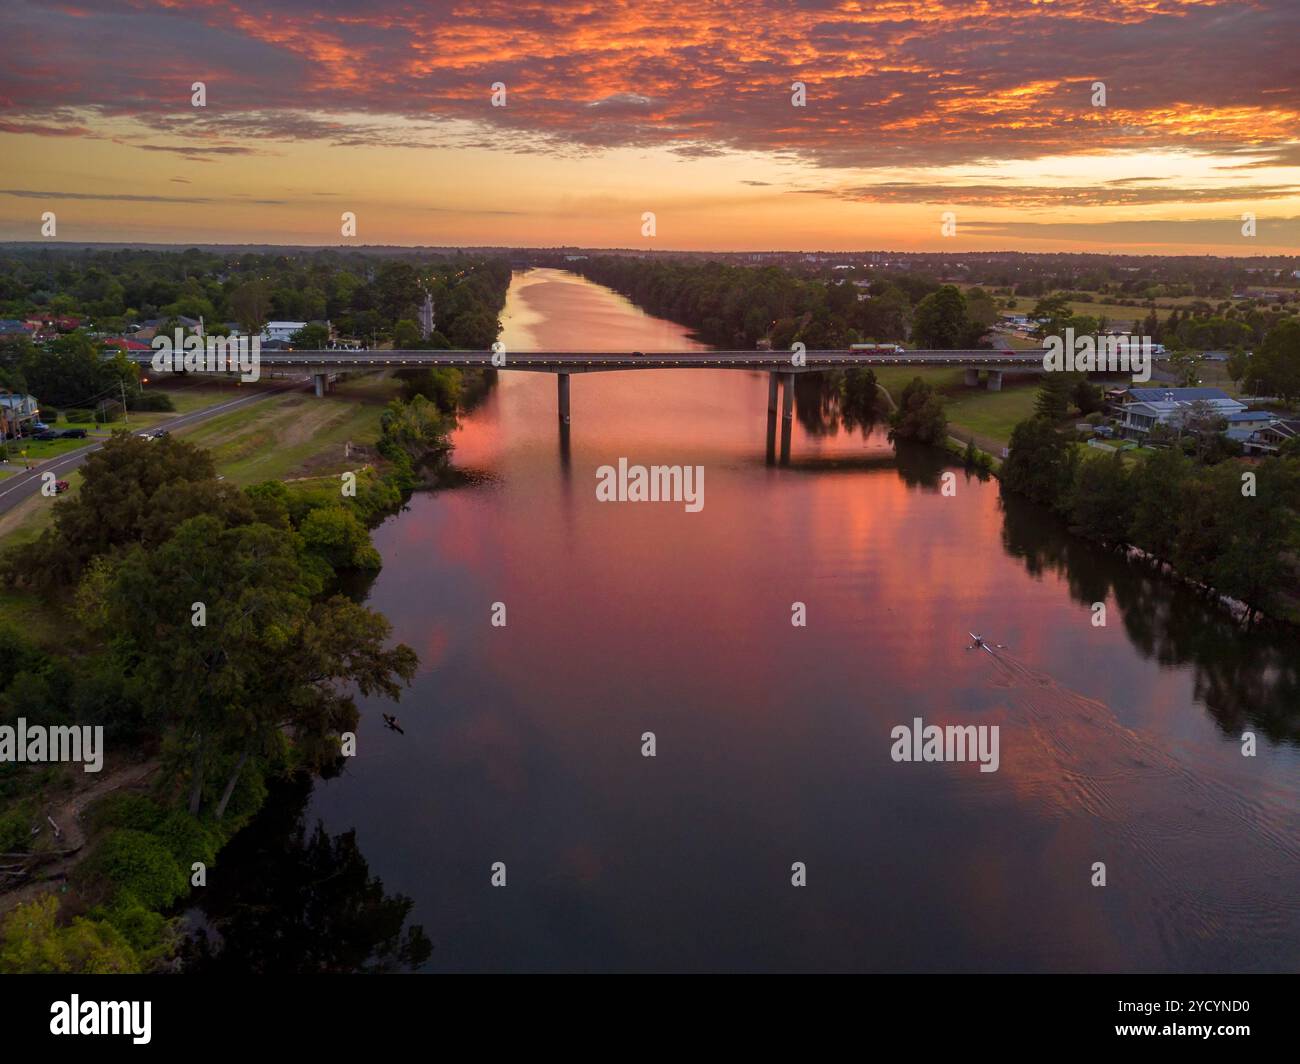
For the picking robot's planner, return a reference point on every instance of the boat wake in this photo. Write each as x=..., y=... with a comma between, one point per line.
x=1225, y=861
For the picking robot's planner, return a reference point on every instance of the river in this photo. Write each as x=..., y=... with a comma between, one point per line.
x=1120, y=745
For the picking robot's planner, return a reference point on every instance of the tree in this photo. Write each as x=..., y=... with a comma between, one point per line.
x=135, y=492
x=1238, y=364
x=250, y=303
x=474, y=331
x=1087, y=397
x=311, y=337
x=1274, y=368
x=406, y=335
x=884, y=315
x=1184, y=366
x=1052, y=314
x=1101, y=499
x=940, y=321
x=920, y=415
x=1261, y=532
x=1157, y=495
x=1040, y=463
x=981, y=309
x=1053, y=401
x=266, y=663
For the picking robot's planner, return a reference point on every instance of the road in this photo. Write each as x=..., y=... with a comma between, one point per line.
x=20, y=486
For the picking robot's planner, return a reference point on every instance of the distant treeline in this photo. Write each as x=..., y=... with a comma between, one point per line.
x=364, y=296
x=737, y=306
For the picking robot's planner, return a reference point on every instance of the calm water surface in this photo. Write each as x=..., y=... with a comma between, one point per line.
x=523, y=744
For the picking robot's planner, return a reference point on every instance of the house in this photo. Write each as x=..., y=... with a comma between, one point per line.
x=1142, y=409
x=1251, y=419
x=149, y=329
x=281, y=330
x=129, y=345
x=16, y=411
x=1272, y=437
x=14, y=327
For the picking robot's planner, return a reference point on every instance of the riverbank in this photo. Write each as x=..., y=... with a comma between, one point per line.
x=327, y=522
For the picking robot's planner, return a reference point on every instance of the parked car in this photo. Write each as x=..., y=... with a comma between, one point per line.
x=39, y=426
x=47, y=434
x=74, y=434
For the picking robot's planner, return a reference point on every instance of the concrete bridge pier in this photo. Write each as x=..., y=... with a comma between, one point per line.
x=563, y=380
x=787, y=397
x=995, y=380
x=771, y=393
x=321, y=380
x=972, y=377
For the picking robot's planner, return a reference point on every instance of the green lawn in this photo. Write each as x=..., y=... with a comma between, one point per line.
x=40, y=450
x=988, y=416
x=295, y=434
x=26, y=521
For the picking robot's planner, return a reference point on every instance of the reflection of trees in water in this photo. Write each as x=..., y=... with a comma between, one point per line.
x=288, y=901
x=919, y=465
x=476, y=386
x=822, y=410
x=1243, y=677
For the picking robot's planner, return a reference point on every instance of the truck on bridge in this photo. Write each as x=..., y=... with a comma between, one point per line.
x=877, y=349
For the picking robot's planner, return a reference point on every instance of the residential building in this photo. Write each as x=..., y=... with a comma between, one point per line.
x=1143, y=408
x=281, y=330
x=16, y=412
x=1272, y=437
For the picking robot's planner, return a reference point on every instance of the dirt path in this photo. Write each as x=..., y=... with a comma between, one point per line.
x=66, y=813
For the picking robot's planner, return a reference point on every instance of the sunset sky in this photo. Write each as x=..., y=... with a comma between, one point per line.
x=979, y=107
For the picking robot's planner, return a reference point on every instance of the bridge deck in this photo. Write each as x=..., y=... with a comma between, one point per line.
x=595, y=361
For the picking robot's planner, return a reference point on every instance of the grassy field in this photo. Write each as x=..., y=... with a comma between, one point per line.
x=295, y=434
x=26, y=521
x=285, y=436
x=1115, y=313
x=988, y=416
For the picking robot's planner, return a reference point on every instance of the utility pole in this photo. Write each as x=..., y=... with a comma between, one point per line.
x=126, y=419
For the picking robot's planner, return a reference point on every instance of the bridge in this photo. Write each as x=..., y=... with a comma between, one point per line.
x=779, y=364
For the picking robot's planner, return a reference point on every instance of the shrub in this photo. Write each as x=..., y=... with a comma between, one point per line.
x=188, y=838
x=138, y=865
x=122, y=810
x=33, y=943
x=150, y=401
x=16, y=826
